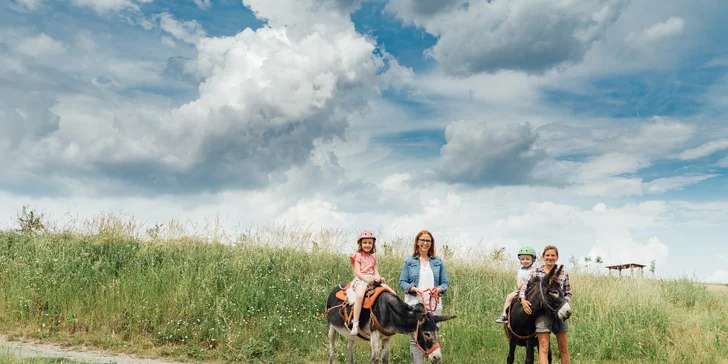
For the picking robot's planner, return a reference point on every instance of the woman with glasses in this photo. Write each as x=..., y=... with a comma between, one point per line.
x=423, y=272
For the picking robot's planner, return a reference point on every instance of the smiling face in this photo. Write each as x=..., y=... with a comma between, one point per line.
x=367, y=244
x=550, y=256
x=424, y=242
x=525, y=259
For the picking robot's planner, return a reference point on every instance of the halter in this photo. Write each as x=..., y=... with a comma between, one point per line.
x=544, y=303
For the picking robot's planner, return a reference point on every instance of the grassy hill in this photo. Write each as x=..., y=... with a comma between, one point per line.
x=250, y=302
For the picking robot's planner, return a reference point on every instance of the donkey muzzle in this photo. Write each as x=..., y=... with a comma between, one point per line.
x=564, y=312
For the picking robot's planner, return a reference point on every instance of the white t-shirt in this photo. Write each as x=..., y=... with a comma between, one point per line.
x=524, y=273
x=427, y=280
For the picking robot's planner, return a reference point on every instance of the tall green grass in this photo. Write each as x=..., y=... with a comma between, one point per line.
x=258, y=302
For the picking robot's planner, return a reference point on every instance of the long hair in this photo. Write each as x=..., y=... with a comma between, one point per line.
x=431, y=252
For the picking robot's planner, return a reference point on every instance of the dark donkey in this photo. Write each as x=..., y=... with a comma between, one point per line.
x=546, y=297
x=389, y=315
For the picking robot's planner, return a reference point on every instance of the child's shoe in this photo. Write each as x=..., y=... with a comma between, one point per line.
x=502, y=319
x=354, y=329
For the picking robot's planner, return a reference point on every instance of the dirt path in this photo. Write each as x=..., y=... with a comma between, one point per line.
x=35, y=350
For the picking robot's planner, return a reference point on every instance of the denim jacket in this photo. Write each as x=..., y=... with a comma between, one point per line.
x=411, y=274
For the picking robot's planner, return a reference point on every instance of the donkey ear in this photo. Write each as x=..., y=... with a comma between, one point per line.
x=558, y=271
x=444, y=318
x=550, y=274
x=418, y=308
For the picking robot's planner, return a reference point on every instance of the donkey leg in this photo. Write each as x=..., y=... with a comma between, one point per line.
x=385, y=349
x=332, y=343
x=374, y=339
x=530, y=345
x=511, y=350
x=350, y=349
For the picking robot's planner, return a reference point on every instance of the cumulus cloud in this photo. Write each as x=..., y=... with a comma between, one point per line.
x=265, y=98
x=613, y=229
x=478, y=155
x=304, y=13
x=520, y=35
x=719, y=276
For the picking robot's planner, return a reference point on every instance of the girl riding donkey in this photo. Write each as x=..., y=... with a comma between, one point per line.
x=366, y=272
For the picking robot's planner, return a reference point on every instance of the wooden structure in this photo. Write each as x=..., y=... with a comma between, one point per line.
x=631, y=266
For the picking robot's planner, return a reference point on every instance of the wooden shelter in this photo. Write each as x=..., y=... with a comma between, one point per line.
x=631, y=266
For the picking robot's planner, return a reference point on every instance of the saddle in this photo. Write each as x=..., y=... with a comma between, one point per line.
x=370, y=296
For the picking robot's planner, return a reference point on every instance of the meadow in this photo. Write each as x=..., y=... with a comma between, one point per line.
x=165, y=292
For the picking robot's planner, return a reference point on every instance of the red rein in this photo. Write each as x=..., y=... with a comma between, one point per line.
x=429, y=307
x=433, y=297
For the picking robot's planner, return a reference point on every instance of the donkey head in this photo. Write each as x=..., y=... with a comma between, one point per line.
x=547, y=293
x=428, y=328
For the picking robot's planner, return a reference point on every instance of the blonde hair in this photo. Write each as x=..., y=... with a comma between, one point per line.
x=431, y=252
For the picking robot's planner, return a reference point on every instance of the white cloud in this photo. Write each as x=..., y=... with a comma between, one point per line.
x=723, y=163
x=26, y=5
x=395, y=181
x=704, y=150
x=478, y=155
x=662, y=185
x=266, y=97
x=39, y=45
x=511, y=35
x=103, y=7
x=719, y=276
x=667, y=29
x=304, y=13
x=314, y=213
x=610, y=165
x=613, y=234
x=203, y=4
x=188, y=31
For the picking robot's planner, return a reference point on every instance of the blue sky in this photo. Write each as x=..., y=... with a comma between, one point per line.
x=600, y=127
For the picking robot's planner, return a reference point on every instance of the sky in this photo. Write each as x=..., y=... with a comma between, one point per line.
x=598, y=126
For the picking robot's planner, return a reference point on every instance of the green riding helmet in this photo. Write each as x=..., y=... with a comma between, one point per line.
x=527, y=250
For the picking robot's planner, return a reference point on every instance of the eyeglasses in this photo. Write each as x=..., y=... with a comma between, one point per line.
x=425, y=240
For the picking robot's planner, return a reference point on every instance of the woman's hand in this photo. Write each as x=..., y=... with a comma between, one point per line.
x=526, y=306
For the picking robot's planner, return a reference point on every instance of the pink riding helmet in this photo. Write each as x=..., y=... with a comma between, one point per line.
x=366, y=234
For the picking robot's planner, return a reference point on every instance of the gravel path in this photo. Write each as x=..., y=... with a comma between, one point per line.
x=35, y=350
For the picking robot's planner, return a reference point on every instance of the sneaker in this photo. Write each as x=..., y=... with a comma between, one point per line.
x=354, y=331
x=502, y=319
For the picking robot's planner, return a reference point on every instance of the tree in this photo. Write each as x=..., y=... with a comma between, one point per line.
x=652, y=268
